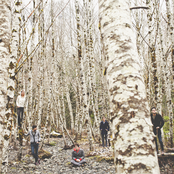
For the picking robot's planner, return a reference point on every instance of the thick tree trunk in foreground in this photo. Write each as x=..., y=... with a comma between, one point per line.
x=134, y=146
x=4, y=65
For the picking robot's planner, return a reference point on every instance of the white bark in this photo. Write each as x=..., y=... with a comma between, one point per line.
x=30, y=78
x=70, y=107
x=16, y=17
x=134, y=146
x=16, y=22
x=5, y=16
x=149, y=78
x=169, y=79
x=82, y=77
x=41, y=63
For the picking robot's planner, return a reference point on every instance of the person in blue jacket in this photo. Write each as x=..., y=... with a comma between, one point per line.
x=104, y=128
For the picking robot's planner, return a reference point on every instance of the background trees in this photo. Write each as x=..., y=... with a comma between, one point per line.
x=59, y=55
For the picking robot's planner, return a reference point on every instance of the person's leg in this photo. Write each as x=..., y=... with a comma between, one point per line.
x=18, y=112
x=106, y=139
x=103, y=140
x=160, y=141
x=82, y=161
x=75, y=163
x=32, y=151
x=21, y=113
x=36, y=152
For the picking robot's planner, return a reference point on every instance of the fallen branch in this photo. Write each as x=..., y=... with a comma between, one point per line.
x=166, y=155
x=169, y=150
x=133, y=8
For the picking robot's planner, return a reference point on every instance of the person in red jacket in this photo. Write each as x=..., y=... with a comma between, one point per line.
x=78, y=156
x=158, y=123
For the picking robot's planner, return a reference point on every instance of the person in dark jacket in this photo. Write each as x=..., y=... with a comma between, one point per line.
x=104, y=128
x=158, y=123
x=78, y=156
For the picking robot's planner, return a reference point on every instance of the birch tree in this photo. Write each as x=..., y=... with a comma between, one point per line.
x=5, y=14
x=82, y=77
x=41, y=62
x=134, y=148
x=168, y=72
x=30, y=77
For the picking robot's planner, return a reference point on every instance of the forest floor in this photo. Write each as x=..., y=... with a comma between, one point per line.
x=100, y=161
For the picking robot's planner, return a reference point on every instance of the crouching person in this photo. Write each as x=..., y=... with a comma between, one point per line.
x=78, y=156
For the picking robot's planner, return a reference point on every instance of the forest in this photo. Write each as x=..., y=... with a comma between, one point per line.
x=70, y=63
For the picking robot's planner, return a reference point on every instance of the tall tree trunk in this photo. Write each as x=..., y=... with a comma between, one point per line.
x=78, y=112
x=30, y=78
x=172, y=51
x=82, y=78
x=129, y=110
x=41, y=63
x=149, y=70
x=5, y=65
x=48, y=110
x=169, y=77
x=14, y=56
x=70, y=107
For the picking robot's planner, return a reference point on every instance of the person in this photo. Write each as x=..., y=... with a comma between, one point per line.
x=104, y=128
x=20, y=102
x=78, y=156
x=158, y=123
x=34, y=140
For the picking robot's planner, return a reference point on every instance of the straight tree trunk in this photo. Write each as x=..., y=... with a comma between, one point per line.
x=41, y=63
x=169, y=77
x=82, y=78
x=14, y=53
x=5, y=16
x=129, y=110
x=70, y=107
x=48, y=110
x=30, y=78
x=149, y=70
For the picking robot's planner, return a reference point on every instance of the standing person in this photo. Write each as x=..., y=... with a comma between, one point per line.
x=78, y=156
x=34, y=140
x=104, y=128
x=20, y=102
x=158, y=123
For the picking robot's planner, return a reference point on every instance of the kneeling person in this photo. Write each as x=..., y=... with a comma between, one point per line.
x=78, y=156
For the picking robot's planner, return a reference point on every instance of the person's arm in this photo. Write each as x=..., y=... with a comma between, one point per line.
x=73, y=157
x=27, y=133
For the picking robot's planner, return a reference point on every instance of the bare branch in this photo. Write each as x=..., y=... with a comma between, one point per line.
x=134, y=8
